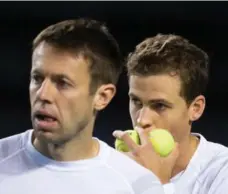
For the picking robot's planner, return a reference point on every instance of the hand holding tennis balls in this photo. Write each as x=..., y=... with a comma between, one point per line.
x=162, y=141
x=155, y=151
x=121, y=146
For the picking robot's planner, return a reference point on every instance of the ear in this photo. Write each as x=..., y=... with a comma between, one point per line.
x=103, y=96
x=196, y=108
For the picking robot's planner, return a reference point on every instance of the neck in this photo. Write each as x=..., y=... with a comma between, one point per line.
x=83, y=146
x=187, y=150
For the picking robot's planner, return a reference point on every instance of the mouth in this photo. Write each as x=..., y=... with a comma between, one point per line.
x=45, y=117
x=45, y=121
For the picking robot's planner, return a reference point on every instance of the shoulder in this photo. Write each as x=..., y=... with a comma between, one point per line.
x=217, y=170
x=211, y=153
x=218, y=153
x=12, y=144
x=214, y=157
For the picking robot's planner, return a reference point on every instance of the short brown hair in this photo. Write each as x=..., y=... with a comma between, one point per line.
x=172, y=54
x=90, y=38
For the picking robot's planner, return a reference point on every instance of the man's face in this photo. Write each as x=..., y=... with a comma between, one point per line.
x=61, y=104
x=155, y=102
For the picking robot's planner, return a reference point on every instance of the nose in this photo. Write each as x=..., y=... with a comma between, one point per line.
x=46, y=92
x=146, y=119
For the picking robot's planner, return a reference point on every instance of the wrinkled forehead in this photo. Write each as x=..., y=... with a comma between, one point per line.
x=47, y=49
x=48, y=60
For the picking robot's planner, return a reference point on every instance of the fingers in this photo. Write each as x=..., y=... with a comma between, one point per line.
x=144, y=138
x=124, y=136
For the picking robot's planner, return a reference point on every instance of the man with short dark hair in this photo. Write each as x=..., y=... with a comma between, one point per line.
x=168, y=76
x=75, y=67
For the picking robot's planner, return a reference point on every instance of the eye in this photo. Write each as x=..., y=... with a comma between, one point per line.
x=136, y=101
x=37, y=79
x=159, y=107
x=62, y=84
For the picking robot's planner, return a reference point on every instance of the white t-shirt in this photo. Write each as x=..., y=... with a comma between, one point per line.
x=23, y=170
x=207, y=172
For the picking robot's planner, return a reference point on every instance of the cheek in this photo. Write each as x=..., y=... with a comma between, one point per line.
x=77, y=107
x=73, y=108
x=32, y=94
x=177, y=123
x=133, y=114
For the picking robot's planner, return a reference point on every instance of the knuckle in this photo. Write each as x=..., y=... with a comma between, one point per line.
x=123, y=135
x=137, y=151
x=141, y=133
x=147, y=146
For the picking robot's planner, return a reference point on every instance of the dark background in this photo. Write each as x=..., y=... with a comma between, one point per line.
x=203, y=23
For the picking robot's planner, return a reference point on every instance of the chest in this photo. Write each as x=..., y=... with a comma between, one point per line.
x=61, y=182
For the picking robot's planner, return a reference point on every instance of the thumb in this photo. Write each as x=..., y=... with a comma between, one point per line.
x=118, y=134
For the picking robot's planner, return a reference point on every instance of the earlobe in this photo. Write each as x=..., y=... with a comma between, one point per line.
x=197, y=108
x=103, y=96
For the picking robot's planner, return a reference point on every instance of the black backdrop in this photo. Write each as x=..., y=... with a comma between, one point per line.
x=204, y=23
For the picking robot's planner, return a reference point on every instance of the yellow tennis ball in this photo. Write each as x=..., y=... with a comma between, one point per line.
x=121, y=146
x=162, y=141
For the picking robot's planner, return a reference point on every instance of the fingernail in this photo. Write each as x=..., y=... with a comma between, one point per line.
x=138, y=129
x=115, y=133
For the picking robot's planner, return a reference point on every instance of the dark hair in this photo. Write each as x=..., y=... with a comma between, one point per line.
x=172, y=54
x=90, y=38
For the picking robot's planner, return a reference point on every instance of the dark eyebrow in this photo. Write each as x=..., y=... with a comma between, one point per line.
x=160, y=101
x=132, y=95
x=153, y=101
x=61, y=76
x=36, y=71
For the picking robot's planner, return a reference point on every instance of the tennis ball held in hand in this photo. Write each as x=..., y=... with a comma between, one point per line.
x=162, y=141
x=121, y=146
